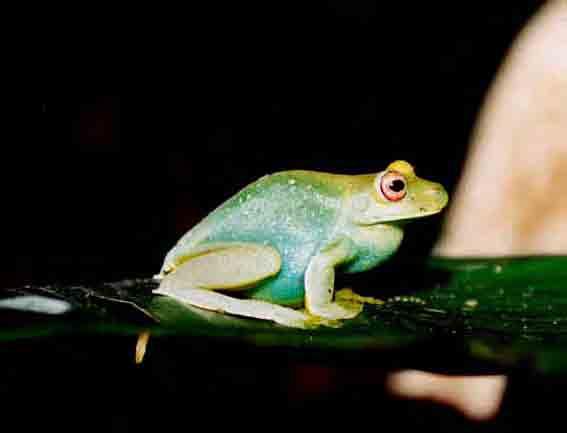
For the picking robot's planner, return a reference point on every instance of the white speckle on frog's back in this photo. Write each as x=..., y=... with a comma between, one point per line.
x=288, y=214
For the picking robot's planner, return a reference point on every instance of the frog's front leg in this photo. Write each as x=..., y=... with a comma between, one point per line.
x=320, y=280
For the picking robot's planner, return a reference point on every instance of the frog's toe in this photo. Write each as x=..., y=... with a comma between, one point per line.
x=347, y=295
x=303, y=320
x=338, y=310
x=291, y=318
x=315, y=322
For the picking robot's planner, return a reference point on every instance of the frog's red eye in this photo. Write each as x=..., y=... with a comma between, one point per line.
x=393, y=186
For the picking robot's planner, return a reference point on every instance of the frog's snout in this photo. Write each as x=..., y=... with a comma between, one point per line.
x=438, y=196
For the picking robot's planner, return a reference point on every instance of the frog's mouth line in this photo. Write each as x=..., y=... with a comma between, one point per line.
x=398, y=219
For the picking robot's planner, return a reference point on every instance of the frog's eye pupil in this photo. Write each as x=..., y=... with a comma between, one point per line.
x=397, y=185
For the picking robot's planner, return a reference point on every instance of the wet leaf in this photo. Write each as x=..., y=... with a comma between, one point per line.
x=500, y=313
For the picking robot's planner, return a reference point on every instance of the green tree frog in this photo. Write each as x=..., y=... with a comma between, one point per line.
x=270, y=251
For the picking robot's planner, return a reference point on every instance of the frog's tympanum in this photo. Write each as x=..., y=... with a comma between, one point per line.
x=270, y=252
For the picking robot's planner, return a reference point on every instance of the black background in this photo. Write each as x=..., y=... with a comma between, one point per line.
x=155, y=116
x=154, y=119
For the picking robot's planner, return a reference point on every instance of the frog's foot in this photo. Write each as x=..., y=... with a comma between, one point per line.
x=214, y=301
x=347, y=295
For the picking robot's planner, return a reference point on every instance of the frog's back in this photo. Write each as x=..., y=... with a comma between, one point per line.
x=293, y=211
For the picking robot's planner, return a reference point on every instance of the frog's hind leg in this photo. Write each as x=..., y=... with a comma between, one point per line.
x=213, y=301
x=232, y=266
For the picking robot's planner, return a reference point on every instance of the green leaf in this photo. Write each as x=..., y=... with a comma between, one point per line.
x=475, y=314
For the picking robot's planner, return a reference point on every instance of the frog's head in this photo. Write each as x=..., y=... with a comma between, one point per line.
x=395, y=194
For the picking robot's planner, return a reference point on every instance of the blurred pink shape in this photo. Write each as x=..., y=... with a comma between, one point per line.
x=477, y=397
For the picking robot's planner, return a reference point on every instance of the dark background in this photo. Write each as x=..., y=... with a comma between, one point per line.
x=163, y=114
x=151, y=125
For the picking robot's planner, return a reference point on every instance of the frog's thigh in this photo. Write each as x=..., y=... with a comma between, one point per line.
x=230, y=267
x=320, y=280
x=225, y=266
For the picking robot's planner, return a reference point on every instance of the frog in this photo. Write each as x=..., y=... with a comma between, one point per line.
x=272, y=250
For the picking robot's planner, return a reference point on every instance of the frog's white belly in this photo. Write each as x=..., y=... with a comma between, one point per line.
x=374, y=244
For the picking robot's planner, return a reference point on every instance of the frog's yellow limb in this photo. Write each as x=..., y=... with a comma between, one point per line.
x=319, y=284
x=235, y=266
